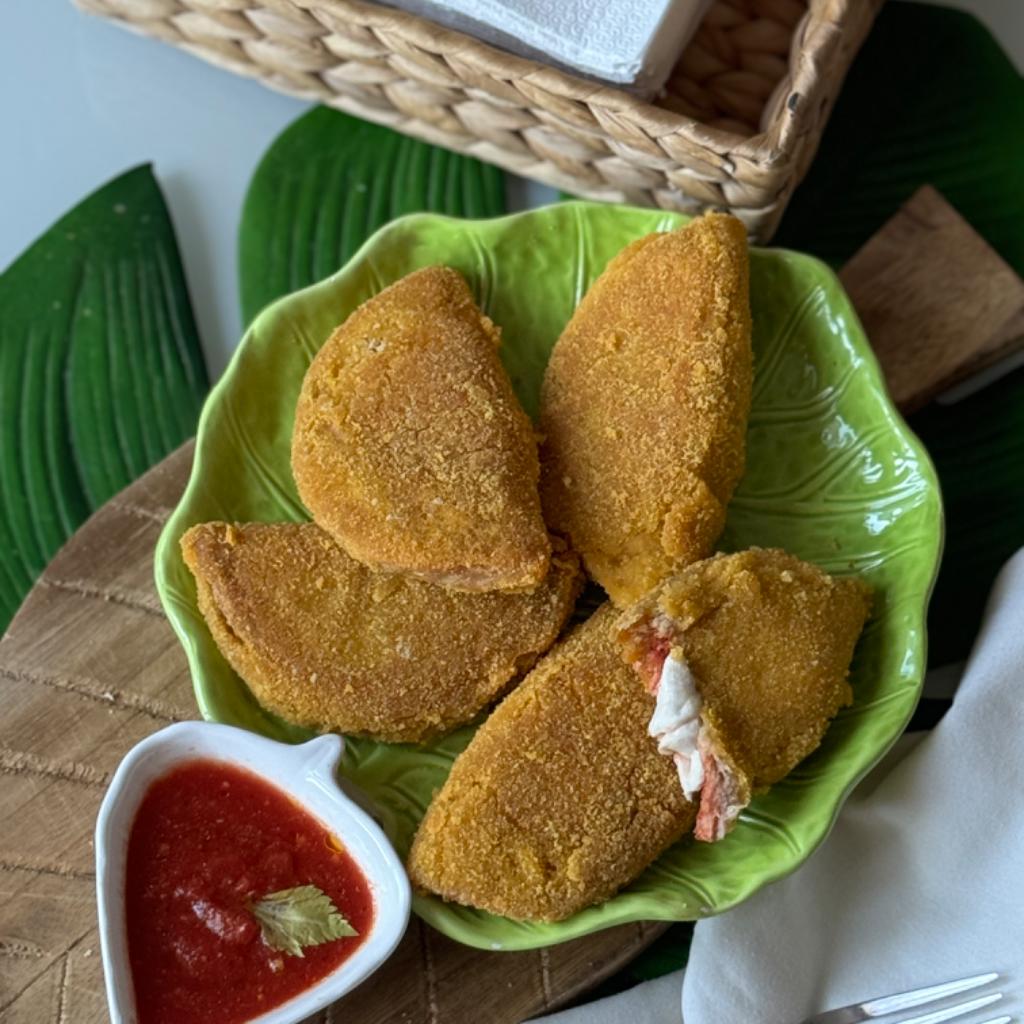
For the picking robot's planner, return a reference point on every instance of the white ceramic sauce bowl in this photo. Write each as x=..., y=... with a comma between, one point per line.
x=306, y=773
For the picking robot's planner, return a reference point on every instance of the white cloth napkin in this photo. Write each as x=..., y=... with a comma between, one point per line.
x=921, y=880
x=631, y=42
x=650, y=1002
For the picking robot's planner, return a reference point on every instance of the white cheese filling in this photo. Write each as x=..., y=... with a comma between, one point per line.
x=675, y=723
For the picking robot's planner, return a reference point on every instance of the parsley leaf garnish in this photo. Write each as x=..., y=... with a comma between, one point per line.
x=294, y=918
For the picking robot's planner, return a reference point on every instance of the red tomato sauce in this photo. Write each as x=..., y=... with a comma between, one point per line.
x=209, y=837
x=654, y=660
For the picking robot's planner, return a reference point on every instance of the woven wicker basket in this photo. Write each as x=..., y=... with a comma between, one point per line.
x=736, y=127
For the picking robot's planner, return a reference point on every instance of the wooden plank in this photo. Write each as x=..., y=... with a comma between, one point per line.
x=90, y=666
x=937, y=301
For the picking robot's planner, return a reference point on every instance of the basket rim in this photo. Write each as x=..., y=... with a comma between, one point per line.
x=816, y=37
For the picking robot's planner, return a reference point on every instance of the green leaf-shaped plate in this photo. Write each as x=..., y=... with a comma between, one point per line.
x=833, y=475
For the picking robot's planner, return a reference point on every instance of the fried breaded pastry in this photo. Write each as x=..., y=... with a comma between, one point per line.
x=748, y=655
x=561, y=798
x=325, y=642
x=644, y=406
x=410, y=447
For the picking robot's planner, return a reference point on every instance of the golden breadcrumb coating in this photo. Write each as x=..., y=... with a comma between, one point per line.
x=325, y=642
x=644, y=406
x=561, y=798
x=769, y=639
x=410, y=447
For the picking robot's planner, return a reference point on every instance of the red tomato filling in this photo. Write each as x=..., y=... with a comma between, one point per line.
x=655, y=653
x=720, y=798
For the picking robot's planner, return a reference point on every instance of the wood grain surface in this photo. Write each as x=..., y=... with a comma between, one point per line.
x=937, y=301
x=89, y=667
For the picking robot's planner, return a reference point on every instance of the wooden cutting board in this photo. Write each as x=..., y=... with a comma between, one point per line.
x=88, y=668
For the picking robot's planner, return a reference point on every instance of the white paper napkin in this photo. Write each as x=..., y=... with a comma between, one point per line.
x=635, y=43
x=922, y=879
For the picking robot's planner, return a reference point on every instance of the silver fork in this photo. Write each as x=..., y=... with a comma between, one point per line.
x=883, y=1006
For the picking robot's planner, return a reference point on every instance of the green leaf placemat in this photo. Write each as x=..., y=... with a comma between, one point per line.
x=328, y=182
x=932, y=98
x=101, y=372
